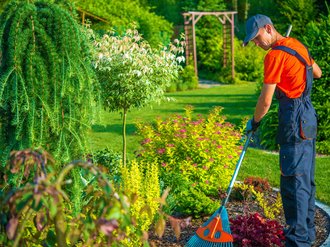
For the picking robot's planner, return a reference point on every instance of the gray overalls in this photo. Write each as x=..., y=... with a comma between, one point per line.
x=296, y=137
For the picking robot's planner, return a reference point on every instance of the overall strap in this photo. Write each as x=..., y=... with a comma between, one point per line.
x=292, y=52
x=309, y=73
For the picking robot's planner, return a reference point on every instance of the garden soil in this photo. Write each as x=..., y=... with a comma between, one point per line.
x=188, y=229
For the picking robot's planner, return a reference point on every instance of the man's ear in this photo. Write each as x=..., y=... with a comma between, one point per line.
x=268, y=28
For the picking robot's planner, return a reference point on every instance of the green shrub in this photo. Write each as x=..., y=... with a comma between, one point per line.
x=196, y=157
x=267, y=131
x=187, y=79
x=249, y=62
x=317, y=38
x=110, y=160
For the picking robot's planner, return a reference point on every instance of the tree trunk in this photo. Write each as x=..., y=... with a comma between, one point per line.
x=124, y=137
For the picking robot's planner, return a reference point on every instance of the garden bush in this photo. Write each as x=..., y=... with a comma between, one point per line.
x=317, y=37
x=110, y=160
x=187, y=79
x=40, y=212
x=253, y=230
x=196, y=157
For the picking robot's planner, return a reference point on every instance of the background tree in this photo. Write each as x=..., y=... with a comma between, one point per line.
x=46, y=80
x=122, y=13
x=132, y=74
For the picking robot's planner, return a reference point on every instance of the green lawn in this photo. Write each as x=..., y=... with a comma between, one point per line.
x=238, y=102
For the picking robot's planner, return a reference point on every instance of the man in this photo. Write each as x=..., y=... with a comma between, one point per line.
x=289, y=72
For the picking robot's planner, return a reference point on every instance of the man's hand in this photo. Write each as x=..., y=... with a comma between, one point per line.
x=251, y=125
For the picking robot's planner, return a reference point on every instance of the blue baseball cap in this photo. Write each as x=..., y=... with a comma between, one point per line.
x=252, y=26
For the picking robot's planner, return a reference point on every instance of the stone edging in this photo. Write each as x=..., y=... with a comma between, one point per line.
x=326, y=209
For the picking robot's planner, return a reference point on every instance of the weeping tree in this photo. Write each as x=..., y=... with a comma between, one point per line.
x=46, y=80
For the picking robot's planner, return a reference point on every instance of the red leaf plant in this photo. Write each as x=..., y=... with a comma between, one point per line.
x=253, y=230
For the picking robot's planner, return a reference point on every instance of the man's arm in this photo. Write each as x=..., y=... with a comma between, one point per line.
x=317, y=72
x=264, y=101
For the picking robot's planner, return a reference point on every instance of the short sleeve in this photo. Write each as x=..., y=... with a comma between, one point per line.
x=273, y=68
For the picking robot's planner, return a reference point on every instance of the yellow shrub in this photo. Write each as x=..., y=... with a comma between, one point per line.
x=141, y=185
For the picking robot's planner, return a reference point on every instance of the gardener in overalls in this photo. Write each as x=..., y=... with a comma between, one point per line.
x=289, y=72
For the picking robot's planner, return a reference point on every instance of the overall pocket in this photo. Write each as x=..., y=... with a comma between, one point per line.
x=287, y=126
x=308, y=123
x=292, y=159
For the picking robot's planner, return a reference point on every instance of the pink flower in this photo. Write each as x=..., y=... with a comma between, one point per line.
x=195, y=165
x=205, y=167
x=170, y=145
x=182, y=130
x=145, y=141
x=161, y=151
x=164, y=164
x=219, y=146
x=230, y=156
x=207, y=181
x=211, y=159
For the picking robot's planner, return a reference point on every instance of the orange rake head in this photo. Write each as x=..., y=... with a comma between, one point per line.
x=214, y=233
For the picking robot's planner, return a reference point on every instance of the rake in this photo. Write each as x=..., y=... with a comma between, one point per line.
x=215, y=232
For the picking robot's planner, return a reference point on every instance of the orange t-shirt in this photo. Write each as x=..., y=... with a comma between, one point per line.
x=285, y=69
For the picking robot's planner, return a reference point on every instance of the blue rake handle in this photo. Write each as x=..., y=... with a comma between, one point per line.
x=238, y=166
x=222, y=211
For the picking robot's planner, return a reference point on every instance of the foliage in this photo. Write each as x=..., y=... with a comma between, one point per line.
x=141, y=184
x=297, y=13
x=196, y=157
x=269, y=127
x=110, y=160
x=259, y=184
x=271, y=208
x=318, y=39
x=249, y=62
x=253, y=230
x=120, y=14
x=46, y=80
x=187, y=79
x=39, y=212
x=132, y=74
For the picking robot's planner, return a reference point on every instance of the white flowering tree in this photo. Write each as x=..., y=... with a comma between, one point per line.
x=132, y=74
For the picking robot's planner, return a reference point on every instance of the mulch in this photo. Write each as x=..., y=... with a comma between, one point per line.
x=322, y=222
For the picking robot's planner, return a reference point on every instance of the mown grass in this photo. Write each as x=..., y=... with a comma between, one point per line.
x=238, y=102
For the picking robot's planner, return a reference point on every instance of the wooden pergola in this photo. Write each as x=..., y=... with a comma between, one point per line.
x=85, y=14
x=190, y=20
